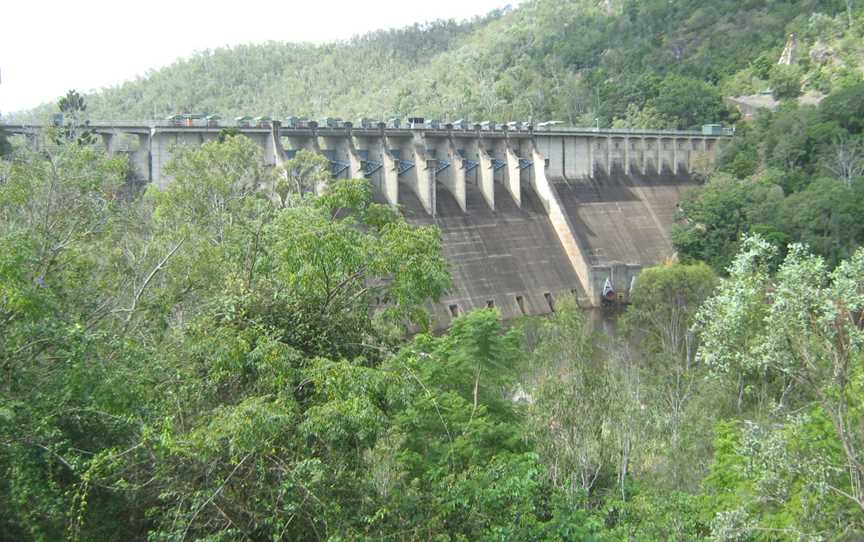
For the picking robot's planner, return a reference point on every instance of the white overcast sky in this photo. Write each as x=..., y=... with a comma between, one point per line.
x=48, y=47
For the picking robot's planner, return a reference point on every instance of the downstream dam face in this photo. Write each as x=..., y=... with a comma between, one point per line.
x=526, y=216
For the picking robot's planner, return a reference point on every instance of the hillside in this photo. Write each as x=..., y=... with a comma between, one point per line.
x=669, y=62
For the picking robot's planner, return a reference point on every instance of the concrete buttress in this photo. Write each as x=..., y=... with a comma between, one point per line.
x=390, y=171
x=453, y=177
x=561, y=223
x=419, y=177
x=513, y=175
x=487, y=177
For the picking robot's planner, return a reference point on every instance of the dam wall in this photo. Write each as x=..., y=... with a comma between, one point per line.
x=526, y=216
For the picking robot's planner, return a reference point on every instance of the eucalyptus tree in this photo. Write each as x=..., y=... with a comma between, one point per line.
x=794, y=338
x=665, y=302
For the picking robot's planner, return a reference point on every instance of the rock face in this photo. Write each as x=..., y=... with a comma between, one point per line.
x=748, y=106
x=790, y=52
x=821, y=54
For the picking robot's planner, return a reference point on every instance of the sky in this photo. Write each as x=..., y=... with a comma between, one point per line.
x=48, y=47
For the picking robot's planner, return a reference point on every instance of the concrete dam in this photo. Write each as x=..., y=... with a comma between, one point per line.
x=527, y=216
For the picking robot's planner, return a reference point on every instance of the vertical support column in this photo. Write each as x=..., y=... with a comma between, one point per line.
x=591, y=142
x=31, y=140
x=270, y=143
x=514, y=175
x=107, y=142
x=141, y=158
x=453, y=178
x=659, y=156
x=158, y=152
x=609, y=155
x=626, y=155
x=690, y=148
x=390, y=175
x=424, y=185
x=356, y=168
x=314, y=145
x=644, y=156
x=675, y=155
x=487, y=176
x=274, y=144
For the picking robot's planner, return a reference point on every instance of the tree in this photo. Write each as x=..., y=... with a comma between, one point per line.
x=716, y=215
x=586, y=415
x=664, y=307
x=73, y=107
x=803, y=326
x=827, y=217
x=204, y=302
x=57, y=215
x=785, y=82
x=306, y=173
x=845, y=107
x=845, y=158
x=688, y=102
x=762, y=66
x=646, y=118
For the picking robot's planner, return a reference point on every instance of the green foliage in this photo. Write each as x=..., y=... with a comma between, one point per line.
x=798, y=179
x=793, y=340
x=846, y=107
x=689, y=101
x=5, y=146
x=73, y=107
x=826, y=217
x=785, y=81
x=719, y=213
x=306, y=172
x=182, y=357
x=762, y=66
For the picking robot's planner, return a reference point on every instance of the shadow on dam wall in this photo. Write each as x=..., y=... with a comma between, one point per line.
x=511, y=258
x=623, y=219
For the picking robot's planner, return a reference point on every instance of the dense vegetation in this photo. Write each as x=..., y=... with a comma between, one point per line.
x=795, y=175
x=243, y=357
x=638, y=62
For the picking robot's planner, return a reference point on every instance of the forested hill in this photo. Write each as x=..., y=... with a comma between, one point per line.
x=657, y=62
